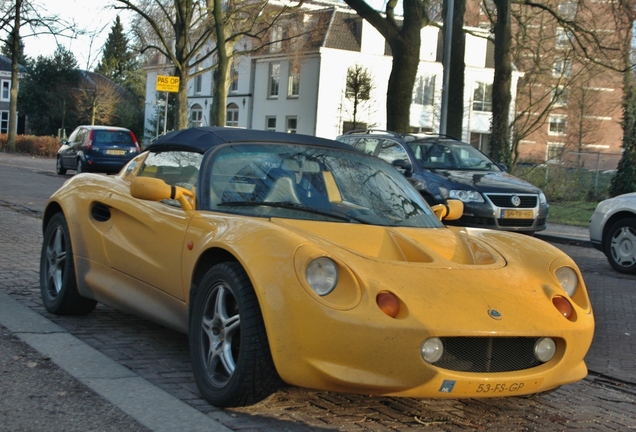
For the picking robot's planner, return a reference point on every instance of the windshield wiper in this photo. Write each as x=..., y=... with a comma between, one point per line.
x=295, y=206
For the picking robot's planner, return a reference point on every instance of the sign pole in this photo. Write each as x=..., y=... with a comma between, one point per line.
x=165, y=115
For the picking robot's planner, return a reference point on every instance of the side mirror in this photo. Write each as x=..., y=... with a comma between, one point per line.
x=154, y=189
x=503, y=167
x=402, y=165
x=451, y=210
x=63, y=142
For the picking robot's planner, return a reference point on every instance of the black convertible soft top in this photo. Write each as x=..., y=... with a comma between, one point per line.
x=201, y=139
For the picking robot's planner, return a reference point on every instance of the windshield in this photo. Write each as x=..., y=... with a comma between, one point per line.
x=303, y=182
x=453, y=155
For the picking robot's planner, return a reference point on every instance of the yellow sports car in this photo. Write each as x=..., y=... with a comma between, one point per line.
x=293, y=259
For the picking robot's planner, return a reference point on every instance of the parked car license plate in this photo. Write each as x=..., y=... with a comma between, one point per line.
x=516, y=214
x=499, y=388
x=116, y=152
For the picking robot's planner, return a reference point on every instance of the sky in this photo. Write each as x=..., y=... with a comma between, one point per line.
x=93, y=17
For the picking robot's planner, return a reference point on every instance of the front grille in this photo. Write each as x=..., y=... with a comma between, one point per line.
x=505, y=200
x=487, y=354
x=476, y=221
x=521, y=223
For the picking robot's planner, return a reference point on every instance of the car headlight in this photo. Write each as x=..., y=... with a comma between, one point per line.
x=466, y=195
x=544, y=349
x=322, y=275
x=568, y=279
x=542, y=198
x=432, y=349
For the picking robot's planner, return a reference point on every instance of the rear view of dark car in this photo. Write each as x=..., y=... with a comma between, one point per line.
x=441, y=168
x=97, y=149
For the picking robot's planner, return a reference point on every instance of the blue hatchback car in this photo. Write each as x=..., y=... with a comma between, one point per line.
x=97, y=149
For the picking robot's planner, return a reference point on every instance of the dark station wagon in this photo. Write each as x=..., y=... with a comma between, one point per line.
x=441, y=167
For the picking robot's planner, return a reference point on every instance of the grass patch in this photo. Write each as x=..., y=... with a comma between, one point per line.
x=576, y=213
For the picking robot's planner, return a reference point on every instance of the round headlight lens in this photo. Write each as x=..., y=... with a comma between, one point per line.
x=466, y=195
x=544, y=349
x=322, y=275
x=568, y=280
x=432, y=350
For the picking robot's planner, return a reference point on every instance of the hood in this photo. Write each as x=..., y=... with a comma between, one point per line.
x=432, y=247
x=486, y=181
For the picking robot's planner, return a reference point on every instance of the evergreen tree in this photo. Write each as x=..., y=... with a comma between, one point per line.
x=46, y=93
x=624, y=181
x=119, y=64
x=7, y=50
x=117, y=59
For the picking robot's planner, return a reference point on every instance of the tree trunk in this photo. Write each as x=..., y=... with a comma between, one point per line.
x=455, y=117
x=15, y=70
x=500, y=139
x=406, y=59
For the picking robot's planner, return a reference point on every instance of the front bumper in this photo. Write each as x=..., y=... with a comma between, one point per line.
x=492, y=214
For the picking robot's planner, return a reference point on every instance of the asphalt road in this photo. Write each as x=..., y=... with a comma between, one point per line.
x=112, y=371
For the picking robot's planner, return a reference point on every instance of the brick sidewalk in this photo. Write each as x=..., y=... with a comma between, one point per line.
x=161, y=357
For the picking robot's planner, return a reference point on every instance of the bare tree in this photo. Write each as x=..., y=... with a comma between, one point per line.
x=249, y=22
x=16, y=16
x=358, y=90
x=96, y=99
x=573, y=24
x=179, y=33
x=404, y=38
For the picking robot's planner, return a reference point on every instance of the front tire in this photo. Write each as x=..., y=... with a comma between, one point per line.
x=58, y=283
x=58, y=166
x=230, y=353
x=80, y=167
x=620, y=246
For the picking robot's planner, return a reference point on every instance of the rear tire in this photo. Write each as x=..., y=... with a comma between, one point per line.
x=58, y=283
x=230, y=353
x=620, y=246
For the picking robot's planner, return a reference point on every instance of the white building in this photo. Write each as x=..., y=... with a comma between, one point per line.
x=288, y=89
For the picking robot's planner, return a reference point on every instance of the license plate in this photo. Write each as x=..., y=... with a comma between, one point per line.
x=495, y=388
x=116, y=152
x=516, y=214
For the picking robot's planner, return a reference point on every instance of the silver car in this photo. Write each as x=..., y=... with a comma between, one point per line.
x=613, y=231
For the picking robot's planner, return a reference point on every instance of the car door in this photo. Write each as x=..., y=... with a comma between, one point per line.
x=67, y=151
x=146, y=238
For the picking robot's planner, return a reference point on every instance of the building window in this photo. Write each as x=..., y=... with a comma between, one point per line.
x=6, y=91
x=196, y=116
x=424, y=90
x=554, y=152
x=480, y=141
x=292, y=124
x=198, y=84
x=562, y=68
x=563, y=38
x=234, y=76
x=482, y=97
x=560, y=96
x=232, y=118
x=276, y=39
x=557, y=125
x=567, y=10
x=293, y=86
x=274, y=79
x=270, y=123
x=4, y=122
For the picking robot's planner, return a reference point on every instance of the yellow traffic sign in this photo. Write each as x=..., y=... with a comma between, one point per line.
x=168, y=83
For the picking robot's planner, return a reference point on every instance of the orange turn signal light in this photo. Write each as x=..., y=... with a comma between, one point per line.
x=388, y=303
x=563, y=306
